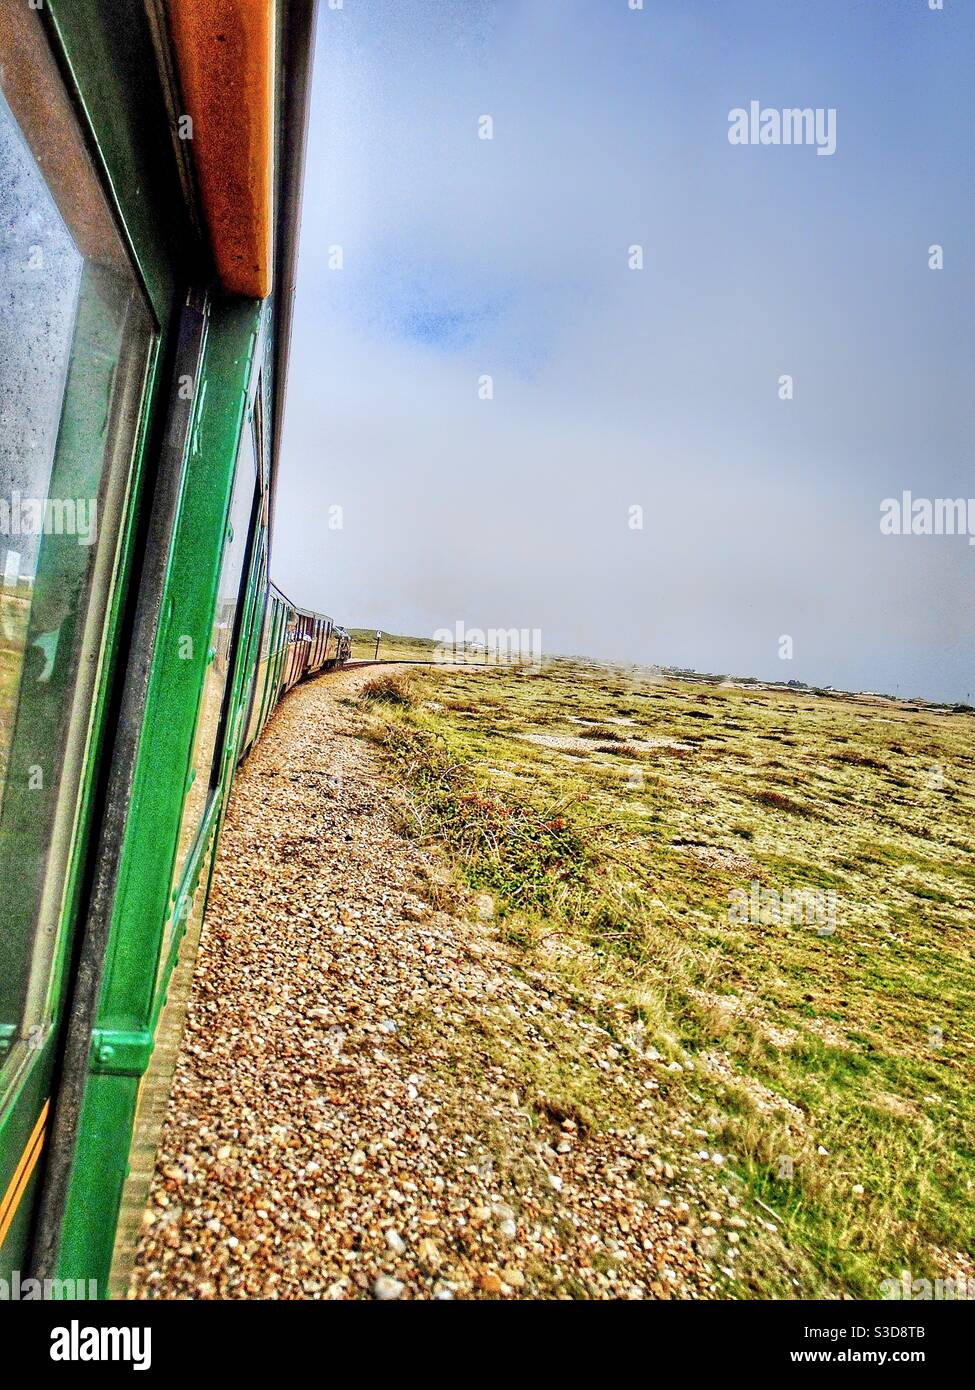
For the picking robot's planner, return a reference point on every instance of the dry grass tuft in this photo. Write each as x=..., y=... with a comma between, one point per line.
x=390, y=688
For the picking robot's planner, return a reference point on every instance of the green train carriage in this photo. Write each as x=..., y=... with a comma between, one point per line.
x=149, y=189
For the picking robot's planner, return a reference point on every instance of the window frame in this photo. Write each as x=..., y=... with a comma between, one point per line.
x=73, y=795
x=105, y=65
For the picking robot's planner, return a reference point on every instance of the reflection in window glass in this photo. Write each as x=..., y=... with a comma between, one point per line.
x=75, y=336
x=260, y=675
x=206, y=751
x=42, y=271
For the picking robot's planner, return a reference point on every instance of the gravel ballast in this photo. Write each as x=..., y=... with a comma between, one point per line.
x=328, y=1135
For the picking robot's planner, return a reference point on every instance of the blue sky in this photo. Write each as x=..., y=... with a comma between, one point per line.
x=660, y=388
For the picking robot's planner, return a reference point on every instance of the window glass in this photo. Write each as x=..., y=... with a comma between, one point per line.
x=260, y=676
x=75, y=339
x=207, y=748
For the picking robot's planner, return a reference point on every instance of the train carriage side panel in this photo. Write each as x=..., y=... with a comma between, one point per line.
x=216, y=645
x=199, y=659
x=83, y=372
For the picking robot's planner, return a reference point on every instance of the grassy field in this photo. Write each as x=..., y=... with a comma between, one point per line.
x=640, y=836
x=392, y=646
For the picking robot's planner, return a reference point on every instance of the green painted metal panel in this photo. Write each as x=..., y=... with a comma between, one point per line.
x=146, y=898
x=106, y=54
x=80, y=452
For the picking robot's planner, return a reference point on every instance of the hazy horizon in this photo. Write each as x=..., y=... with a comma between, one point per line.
x=626, y=664
x=659, y=388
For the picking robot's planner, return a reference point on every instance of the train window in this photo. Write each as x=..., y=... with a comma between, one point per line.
x=261, y=673
x=208, y=749
x=75, y=341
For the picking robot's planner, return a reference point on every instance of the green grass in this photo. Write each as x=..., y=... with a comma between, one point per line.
x=390, y=646
x=395, y=647
x=611, y=865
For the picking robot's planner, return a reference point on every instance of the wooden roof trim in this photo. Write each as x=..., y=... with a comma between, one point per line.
x=225, y=56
